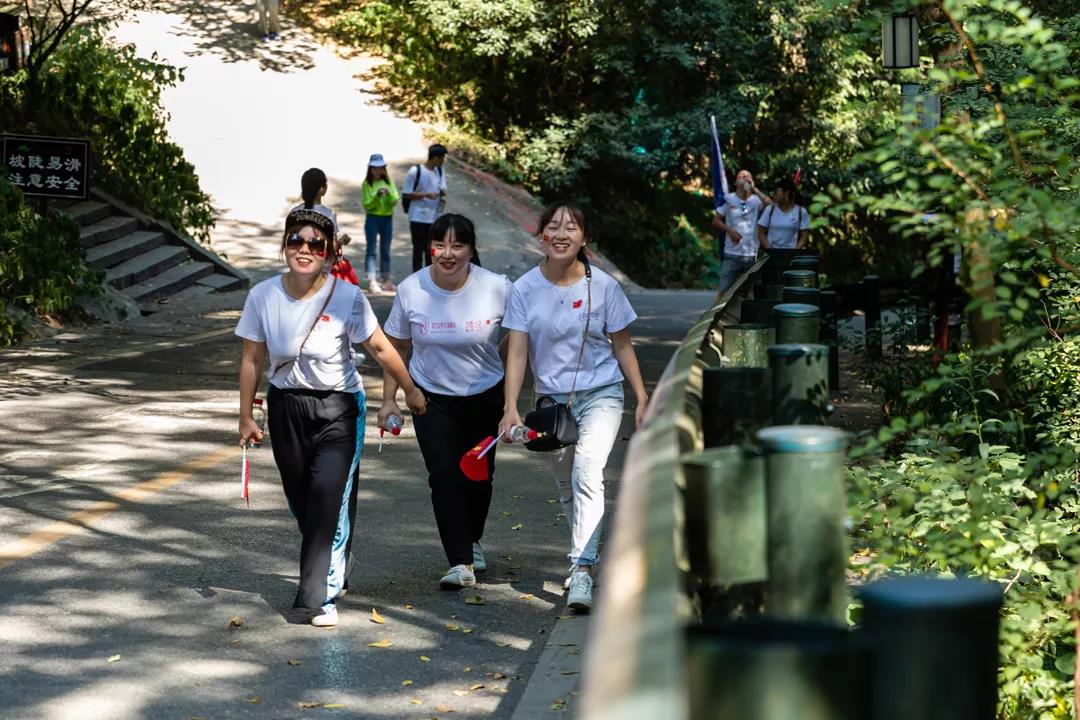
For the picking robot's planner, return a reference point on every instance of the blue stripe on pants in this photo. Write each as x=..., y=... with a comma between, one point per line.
x=339, y=552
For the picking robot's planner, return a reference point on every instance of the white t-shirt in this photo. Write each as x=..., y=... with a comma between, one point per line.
x=424, y=210
x=271, y=316
x=742, y=216
x=325, y=211
x=554, y=318
x=783, y=226
x=455, y=335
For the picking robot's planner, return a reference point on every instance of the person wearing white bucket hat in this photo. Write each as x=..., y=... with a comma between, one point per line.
x=380, y=198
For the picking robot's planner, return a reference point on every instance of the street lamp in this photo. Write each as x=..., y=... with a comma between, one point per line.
x=900, y=42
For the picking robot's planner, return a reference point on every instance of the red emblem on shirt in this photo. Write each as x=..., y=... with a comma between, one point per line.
x=325, y=318
x=577, y=304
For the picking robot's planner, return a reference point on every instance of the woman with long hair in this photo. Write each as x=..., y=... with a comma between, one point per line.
x=313, y=186
x=380, y=199
x=448, y=316
x=570, y=320
x=304, y=321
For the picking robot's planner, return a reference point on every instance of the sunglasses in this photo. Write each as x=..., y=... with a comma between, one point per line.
x=317, y=246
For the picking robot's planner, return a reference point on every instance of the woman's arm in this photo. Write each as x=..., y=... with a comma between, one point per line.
x=517, y=351
x=623, y=346
x=251, y=363
x=803, y=235
x=763, y=237
x=385, y=354
x=390, y=385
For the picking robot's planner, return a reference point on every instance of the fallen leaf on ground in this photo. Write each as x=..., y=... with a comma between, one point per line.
x=425, y=658
x=333, y=706
x=517, y=527
x=552, y=501
x=408, y=607
x=294, y=662
x=416, y=701
x=558, y=704
x=461, y=693
x=443, y=708
x=527, y=596
x=309, y=704
x=499, y=676
x=566, y=617
x=452, y=627
x=406, y=683
x=384, y=643
x=569, y=672
x=474, y=600
x=376, y=617
x=114, y=658
x=478, y=686
x=507, y=514
x=466, y=631
x=468, y=669
x=252, y=700
x=502, y=644
x=236, y=621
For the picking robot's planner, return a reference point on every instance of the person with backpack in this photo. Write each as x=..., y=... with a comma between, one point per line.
x=448, y=317
x=380, y=196
x=785, y=223
x=422, y=196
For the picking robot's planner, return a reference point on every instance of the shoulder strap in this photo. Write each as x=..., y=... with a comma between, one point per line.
x=768, y=224
x=585, y=334
x=416, y=180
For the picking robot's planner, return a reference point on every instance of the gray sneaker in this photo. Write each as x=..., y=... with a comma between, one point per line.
x=479, y=564
x=580, y=595
x=458, y=577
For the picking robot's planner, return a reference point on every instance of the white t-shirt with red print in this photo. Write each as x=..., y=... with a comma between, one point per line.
x=554, y=318
x=274, y=317
x=455, y=335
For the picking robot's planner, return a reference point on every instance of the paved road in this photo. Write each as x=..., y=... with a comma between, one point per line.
x=126, y=551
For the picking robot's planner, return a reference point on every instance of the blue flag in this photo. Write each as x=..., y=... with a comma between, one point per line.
x=716, y=161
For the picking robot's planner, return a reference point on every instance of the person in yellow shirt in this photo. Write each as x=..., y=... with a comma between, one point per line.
x=380, y=199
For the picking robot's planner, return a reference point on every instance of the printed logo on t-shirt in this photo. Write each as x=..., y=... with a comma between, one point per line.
x=441, y=328
x=325, y=318
x=577, y=304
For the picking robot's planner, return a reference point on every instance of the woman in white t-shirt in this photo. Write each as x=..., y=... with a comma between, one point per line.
x=313, y=186
x=305, y=322
x=784, y=224
x=449, y=316
x=546, y=318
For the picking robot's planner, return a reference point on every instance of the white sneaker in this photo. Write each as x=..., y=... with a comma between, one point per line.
x=458, y=577
x=479, y=564
x=388, y=285
x=373, y=286
x=580, y=596
x=326, y=618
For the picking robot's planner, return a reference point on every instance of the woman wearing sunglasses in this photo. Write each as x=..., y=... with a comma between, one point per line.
x=449, y=316
x=571, y=321
x=304, y=322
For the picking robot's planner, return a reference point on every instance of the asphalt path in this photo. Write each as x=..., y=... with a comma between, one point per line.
x=134, y=583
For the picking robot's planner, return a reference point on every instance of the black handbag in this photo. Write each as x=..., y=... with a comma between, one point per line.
x=554, y=421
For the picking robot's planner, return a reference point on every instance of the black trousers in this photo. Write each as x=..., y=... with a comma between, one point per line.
x=450, y=428
x=420, y=235
x=317, y=437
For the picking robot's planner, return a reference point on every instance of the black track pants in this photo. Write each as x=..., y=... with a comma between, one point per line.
x=317, y=437
x=420, y=233
x=450, y=428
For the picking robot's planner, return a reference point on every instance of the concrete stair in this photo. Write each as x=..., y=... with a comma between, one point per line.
x=147, y=260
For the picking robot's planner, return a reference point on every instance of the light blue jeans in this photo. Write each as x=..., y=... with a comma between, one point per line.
x=382, y=227
x=579, y=469
x=732, y=268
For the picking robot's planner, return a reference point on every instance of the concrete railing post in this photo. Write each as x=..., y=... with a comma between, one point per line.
x=830, y=334
x=805, y=295
x=735, y=404
x=796, y=323
x=935, y=644
x=800, y=384
x=747, y=344
x=799, y=278
x=807, y=510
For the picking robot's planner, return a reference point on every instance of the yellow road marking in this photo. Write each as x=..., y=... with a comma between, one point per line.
x=55, y=532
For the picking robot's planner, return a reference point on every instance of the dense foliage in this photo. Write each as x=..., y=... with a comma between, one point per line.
x=977, y=472
x=609, y=102
x=92, y=88
x=42, y=266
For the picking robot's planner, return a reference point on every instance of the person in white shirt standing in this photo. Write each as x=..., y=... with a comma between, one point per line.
x=785, y=224
x=305, y=322
x=449, y=315
x=571, y=321
x=423, y=194
x=738, y=221
x=313, y=186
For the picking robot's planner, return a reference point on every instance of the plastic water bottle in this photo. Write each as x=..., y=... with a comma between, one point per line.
x=258, y=411
x=394, y=423
x=521, y=434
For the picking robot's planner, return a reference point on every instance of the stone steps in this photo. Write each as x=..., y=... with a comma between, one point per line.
x=146, y=259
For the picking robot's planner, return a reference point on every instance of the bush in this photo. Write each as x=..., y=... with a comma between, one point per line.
x=92, y=88
x=42, y=264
